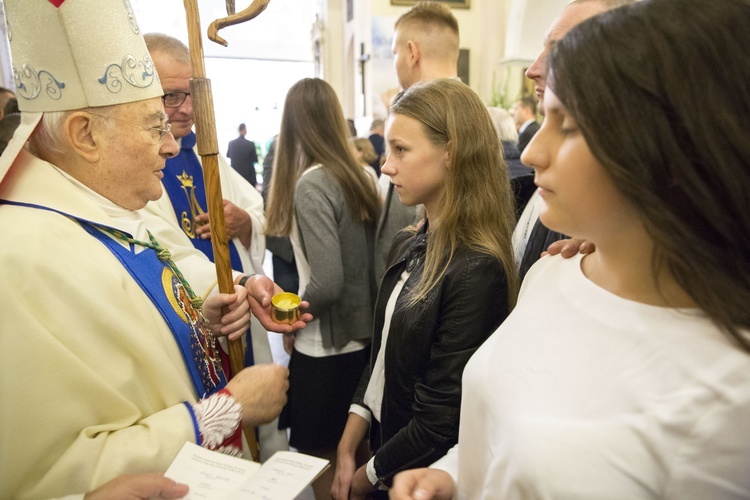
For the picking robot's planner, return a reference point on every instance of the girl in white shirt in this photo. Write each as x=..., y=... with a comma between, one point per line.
x=626, y=373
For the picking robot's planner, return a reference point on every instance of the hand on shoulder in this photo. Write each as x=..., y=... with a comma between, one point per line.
x=570, y=247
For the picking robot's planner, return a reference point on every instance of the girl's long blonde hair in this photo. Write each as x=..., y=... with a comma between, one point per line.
x=477, y=205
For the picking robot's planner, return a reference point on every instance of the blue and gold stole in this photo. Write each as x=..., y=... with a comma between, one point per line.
x=153, y=270
x=183, y=180
x=165, y=287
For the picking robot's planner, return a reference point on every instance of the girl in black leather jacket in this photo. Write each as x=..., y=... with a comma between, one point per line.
x=448, y=286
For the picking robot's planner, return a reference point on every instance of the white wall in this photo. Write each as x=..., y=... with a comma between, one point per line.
x=343, y=40
x=248, y=83
x=503, y=37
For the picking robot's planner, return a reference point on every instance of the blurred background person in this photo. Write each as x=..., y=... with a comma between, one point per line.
x=506, y=132
x=521, y=176
x=377, y=139
x=524, y=115
x=243, y=156
x=425, y=47
x=365, y=153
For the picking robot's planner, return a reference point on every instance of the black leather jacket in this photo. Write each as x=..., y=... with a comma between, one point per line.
x=427, y=348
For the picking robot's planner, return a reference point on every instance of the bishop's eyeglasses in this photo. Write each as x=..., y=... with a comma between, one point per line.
x=161, y=131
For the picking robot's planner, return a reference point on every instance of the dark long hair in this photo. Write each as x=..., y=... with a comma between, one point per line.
x=660, y=91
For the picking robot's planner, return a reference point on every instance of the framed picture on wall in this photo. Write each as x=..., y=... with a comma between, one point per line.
x=458, y=4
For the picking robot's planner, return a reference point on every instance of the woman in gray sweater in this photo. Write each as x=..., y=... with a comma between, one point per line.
x=327, y=204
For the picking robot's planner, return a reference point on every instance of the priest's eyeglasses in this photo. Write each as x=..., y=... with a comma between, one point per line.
x=174, y=99
x=162, y=131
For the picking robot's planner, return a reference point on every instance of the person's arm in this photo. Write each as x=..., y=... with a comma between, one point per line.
x=200, y=272
x=237, y=223
x=245, y=216
x=315, y=215
x=473, y=304
x=437, y=482
x=357, y=425
x=260, y=291
x=422, y=484
x=354, y=432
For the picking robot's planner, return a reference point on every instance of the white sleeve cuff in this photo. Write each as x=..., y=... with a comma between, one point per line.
x=449, y=463
x=372, y=476
x=218, y=417
x=362, y=412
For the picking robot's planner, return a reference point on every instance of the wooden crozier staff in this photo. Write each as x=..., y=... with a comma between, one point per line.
x=208, y=149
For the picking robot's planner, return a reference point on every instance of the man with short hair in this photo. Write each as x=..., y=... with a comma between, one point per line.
x=243, y=156
x=425, y=48
x=531, y=237
x=524, y=115
x=110, y=360
x=425, y=44
x=184, y=204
